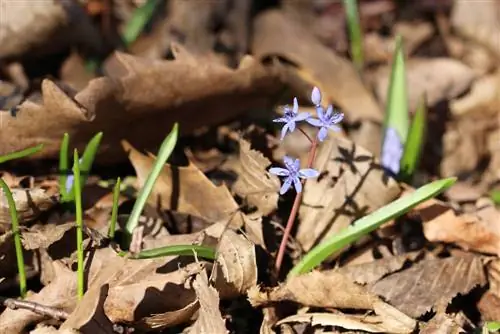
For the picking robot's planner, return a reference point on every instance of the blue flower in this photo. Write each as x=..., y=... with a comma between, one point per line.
x=325, y=121
x=291, y=116
x=392, y=151
x=293, y=174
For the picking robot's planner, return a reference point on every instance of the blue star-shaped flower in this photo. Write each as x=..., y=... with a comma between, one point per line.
x=291, y=116
x=325, y=121
x=392, y=151
x=293, y=174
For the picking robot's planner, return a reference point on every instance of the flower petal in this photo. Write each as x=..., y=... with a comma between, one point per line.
x=284, y=130
x=286, y=185
x=280, y=120
x=314, y=122
x=288, y=162
x=291, y=125
x=295, y=106
x=297, y=184
x=334, y=128
x=316, y=96
x=279, y=171
x=308, y=172
x=322, y=133
x=296, y=165
x=320, y=111
x=302, y=116
x=337, y=118
x=329, y=111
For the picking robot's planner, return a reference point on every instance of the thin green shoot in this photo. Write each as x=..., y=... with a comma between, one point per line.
x=396, y=113
x=368, y=224
x=114, y=212
x=140, y=18
x=21, y=154
x=174, y=250
x=17, y=237
x=492, y=326
x=414, y=143
x=63, y=166
x=77, y=189
x=166, y=149
x=354, y=27
x=495, y=196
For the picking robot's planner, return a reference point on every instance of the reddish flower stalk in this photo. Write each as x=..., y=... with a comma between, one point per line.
x=295, y=208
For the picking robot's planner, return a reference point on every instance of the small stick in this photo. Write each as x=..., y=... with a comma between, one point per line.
x=34, y=307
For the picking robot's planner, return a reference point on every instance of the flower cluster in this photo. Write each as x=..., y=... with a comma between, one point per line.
x=327, y=120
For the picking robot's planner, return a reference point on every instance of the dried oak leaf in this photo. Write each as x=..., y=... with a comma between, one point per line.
x=350, y=185
x=255, y=184
x=139, y=101
x=439, y=79
x=276, y=34
x=489, y=304
x=185, y=189
x=418, y=289
x=442, y=323
x=333, y=290
x=42, y=236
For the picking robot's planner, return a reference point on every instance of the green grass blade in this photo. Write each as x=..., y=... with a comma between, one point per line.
x=396, y=113
x=354, y=27
x=17, y=237
x=368, y=224
x=114, y=212
x=414, y=142
x=177, y=250
x=77, y=189
x=140, y=18
x=21, y=154
x=493, y=326
x=166, y=149
x=63, y=166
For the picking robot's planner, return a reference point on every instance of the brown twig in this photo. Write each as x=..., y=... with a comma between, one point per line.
x=37, y=308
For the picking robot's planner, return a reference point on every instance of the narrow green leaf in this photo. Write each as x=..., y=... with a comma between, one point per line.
x=77, y=189
x=140, y=18
x=354, y=27
x=177, y=250
x=493, y=326
x=368, y=224
x=114, y=212
x=414, y=143
x=495, y=196
x=64, y=166
x=166, y=149
x=21, y=154
x=396, y=113
x=17, y=237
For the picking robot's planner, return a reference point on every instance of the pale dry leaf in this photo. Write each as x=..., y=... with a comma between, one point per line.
x=254, y=228
x=351, y=184
x=42, y=236
x=479, y=22
x=484, y=93
x=255, y=184
x=42, y=329
x=442, y=323
x=371, y=324
x=60, y=293
x=185, y=189
x=210, y=319
x=418, y=289
x=489, y=304
x=276, y=34
x=29, y=204
x=439, y=79
x=172, y=318
x=152, y=95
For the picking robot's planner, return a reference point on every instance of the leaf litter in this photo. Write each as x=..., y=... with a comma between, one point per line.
x=221, y=71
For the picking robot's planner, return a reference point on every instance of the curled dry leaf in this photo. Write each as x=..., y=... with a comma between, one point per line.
x=185, y=189
x=350, y=185
x=255, y=184
x=29, y=204
x=438, y=79
x=276, y=34
x=442, y=323
x=152, y=95
x=333, y=290
x=156, y=293
x=420, y=288
x=42, y=236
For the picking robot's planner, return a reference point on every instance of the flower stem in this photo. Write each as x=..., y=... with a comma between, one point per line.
x=294, y=211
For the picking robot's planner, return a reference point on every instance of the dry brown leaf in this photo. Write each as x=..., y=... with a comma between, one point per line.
x=479, y=22
x=255, y=184
x=151, y=95
x=332, y=290
x=29, y=204
x=42, y=236
x=418, y=289
x=276, y=34
x=439, y=79
x=210, y=319
x=60, y=293
x=484, y=93
x=185, y=189
x=489, y=304
x=41, y=329
x=350, y=185
x=371, y=324
x=442, y=324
